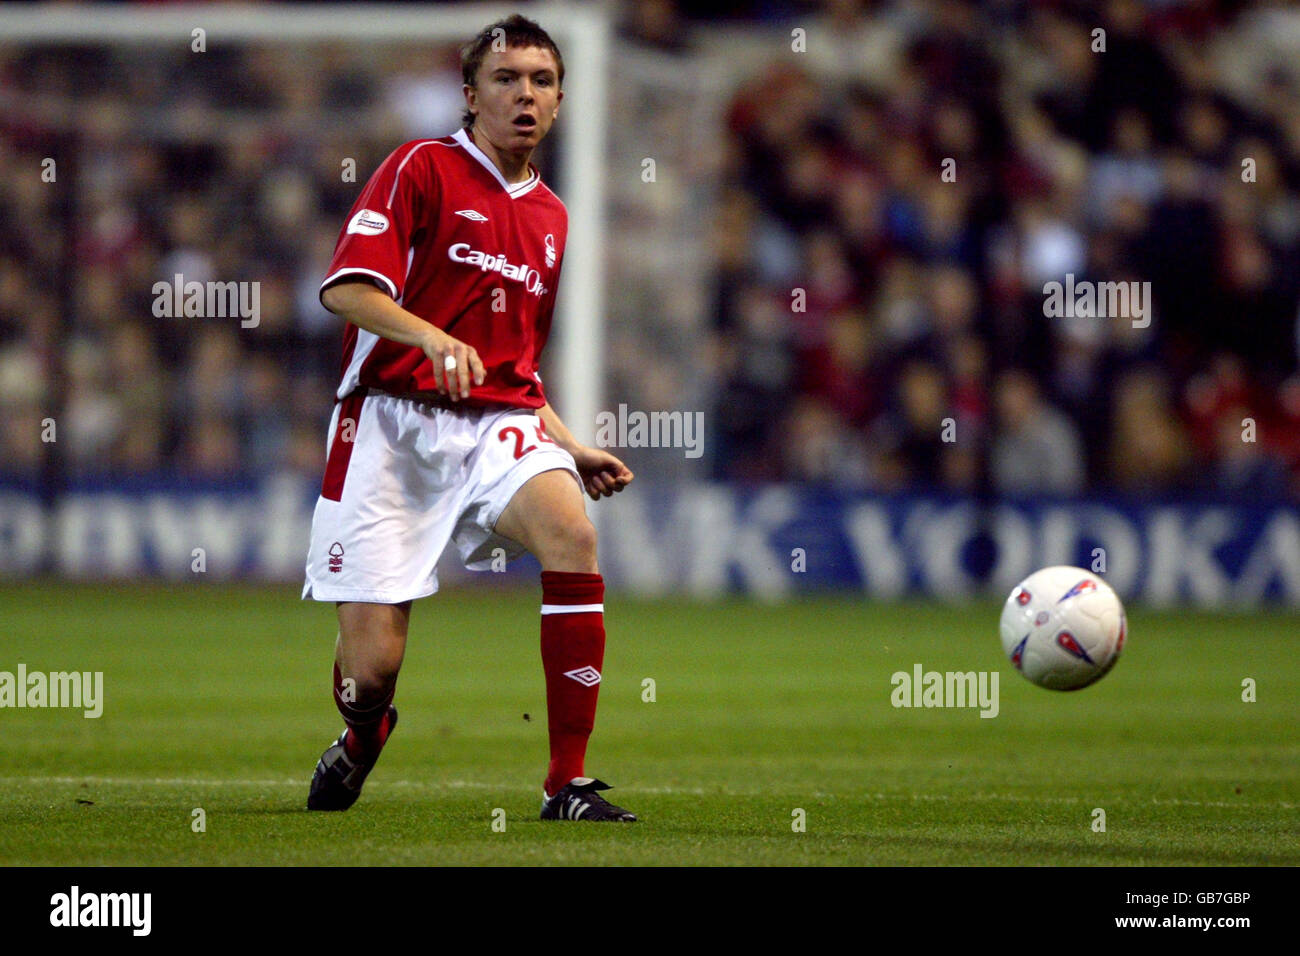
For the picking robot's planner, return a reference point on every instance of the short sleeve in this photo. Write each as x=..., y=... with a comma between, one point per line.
x=377, y=238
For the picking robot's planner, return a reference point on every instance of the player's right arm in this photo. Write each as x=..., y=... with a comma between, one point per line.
x=367, y=275
x=367, y=307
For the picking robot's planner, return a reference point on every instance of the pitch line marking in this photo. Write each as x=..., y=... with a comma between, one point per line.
x=690, y=791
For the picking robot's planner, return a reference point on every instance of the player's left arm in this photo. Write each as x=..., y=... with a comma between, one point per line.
x=602, y=473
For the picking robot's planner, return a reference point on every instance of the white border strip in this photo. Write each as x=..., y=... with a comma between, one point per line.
x=572, y=608
x=351, y=270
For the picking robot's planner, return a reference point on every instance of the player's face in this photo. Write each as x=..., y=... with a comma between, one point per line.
x=516, y=97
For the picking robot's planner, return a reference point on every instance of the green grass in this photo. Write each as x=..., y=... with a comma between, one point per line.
x=218, y=697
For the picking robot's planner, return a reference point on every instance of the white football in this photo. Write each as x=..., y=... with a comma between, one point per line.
x=1063, y=628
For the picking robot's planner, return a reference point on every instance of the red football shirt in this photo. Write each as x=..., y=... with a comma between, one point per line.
x=441, y=230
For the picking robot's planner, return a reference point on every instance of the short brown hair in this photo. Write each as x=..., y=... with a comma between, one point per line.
x=516, y=31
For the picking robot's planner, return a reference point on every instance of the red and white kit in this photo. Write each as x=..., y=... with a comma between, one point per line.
x=407, y=472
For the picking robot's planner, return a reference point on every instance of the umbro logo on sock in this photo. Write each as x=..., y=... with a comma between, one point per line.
x=586, y=676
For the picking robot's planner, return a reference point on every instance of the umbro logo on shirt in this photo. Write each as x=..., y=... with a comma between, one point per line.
x=473, y=215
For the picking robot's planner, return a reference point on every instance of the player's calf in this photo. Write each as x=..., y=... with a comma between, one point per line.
x=365, y=708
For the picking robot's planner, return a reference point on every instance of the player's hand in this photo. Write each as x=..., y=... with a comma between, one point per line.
x=455, y=364
x=602, y=473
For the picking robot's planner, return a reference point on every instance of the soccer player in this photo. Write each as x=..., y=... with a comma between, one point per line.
x=446, y=274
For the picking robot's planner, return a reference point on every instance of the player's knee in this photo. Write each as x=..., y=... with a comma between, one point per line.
x=378, y=676
x=371, y=677
x=574, y=545
x=582, y=537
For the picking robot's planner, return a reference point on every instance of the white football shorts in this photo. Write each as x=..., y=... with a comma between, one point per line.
x=403, y=478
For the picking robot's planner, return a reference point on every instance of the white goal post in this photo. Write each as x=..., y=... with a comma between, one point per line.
x=582, y=33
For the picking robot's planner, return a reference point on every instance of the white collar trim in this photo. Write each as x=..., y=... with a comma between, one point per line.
x=514, y=189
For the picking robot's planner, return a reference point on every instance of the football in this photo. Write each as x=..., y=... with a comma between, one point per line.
x=1063, y=628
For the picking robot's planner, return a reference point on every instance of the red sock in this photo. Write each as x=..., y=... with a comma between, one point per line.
x=573, y=652
x=368, y=726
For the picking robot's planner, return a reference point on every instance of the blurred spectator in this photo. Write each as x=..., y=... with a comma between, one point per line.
x=1036, y=449
x=1150, y=450
x=655, y=24
x=908, y=441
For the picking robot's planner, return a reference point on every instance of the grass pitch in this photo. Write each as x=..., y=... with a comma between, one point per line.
x=218, y=698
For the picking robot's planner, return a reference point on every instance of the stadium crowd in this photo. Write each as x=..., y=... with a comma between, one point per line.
x=894, y=197
x=890, y=224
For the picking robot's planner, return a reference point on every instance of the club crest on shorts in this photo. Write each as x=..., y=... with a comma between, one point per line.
x=586, y=676
x=336, y=557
